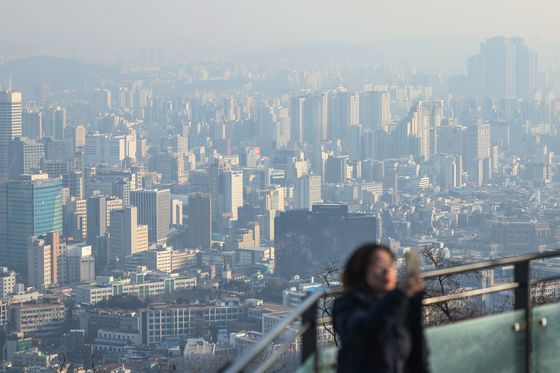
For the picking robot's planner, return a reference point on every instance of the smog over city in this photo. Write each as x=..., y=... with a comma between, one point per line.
x=203, y=186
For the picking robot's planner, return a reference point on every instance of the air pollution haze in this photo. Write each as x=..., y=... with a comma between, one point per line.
x=213, y=28
x=182, y=181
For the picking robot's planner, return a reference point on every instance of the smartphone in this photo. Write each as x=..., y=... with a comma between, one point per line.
x=412, y=262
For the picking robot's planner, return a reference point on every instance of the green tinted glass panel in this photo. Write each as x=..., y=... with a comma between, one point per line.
x=487, y=344
x=546, y=338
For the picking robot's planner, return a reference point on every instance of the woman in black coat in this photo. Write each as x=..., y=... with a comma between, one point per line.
x=379, y=324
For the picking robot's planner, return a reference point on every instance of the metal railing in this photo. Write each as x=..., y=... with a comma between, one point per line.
x=307, y=310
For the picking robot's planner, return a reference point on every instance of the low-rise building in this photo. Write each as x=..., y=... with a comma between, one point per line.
x=161, y=321
x=92, y=294
x=42, y=319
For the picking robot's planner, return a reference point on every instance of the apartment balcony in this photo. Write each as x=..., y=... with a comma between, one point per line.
x=523, y=339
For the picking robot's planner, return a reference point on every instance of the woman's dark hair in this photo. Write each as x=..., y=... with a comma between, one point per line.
x=354, y=276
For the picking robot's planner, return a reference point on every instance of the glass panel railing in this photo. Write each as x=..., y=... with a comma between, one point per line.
x=546, y=338
x=488, y=344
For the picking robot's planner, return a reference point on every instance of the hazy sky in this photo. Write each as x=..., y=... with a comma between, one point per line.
x=221, y=27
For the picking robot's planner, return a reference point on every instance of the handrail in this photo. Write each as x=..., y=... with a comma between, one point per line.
x=486, y=264
x=242, y=362
x=520, y=285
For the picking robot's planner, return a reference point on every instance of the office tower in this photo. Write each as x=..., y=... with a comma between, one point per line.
x=103, y=148
x=375, y=110
x=199, y=211
x=336, y=171
x=505, y=67
x=58, y=150
x=59, y=122
x=282, y=128
x=10, y=128
x=176, y=212
x=422, y=126
x=307, y=192
x=78, y=134
x=451, y=139
x=478, y=153
x=274, y=198
x=171, y=166
x=305, y=240
x=29, y=206
x=343, y=112
x=99, y=216
x=449, y=171
x=356, y=142
x=232, y=192
x=39, y=263
x=297, y=105
x=25, y=156
x=76, y=184
x=102, y=99
x=123, y=235
x=32, y=126
x=121, y=189
x=75, y=219
x=153, y=210
x=315, y=118
x=77, y=265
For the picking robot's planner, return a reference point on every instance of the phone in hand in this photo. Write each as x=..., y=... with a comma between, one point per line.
x=412, y=262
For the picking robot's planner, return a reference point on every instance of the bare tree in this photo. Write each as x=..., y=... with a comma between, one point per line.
x=448, y=311
x=329, y=275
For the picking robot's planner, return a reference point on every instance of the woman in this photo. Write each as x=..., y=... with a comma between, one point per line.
x=379, y=324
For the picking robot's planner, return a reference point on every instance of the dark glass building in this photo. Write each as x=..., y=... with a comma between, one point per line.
x=306, y=240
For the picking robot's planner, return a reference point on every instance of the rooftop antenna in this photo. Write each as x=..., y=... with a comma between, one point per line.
x=10, y=84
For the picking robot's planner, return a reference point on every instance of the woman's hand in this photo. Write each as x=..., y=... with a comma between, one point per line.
x=412, y=284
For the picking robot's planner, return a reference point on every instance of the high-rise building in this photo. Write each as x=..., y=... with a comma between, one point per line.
x=99, y=216
x=76, y=265
x=78, y=134
x=76, y=184
x=121, y=189
x=305, y=240
x=343, y=112
x=176, y=212
x=153, y=210
x=40, y=260
x=297, y=119
x=335, y=170
x=478, y=149
x=103, y=148
x=232, y=192
x=59, y=122
x=32, y=125
x=419, y=131
x=123, y=235
x=10, y=128
x=505, y=67
x=200, y=220
x=307, y=192
x=375, y=110
x=315, y=118
x=25, y=156
x=29, y=206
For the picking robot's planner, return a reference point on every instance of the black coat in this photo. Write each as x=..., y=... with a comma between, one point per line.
x=380, y=334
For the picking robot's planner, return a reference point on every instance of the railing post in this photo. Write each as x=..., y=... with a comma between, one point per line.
x=521, y=275
x=309, y=337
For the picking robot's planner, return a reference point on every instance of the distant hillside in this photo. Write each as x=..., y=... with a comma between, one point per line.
x=59, y=73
